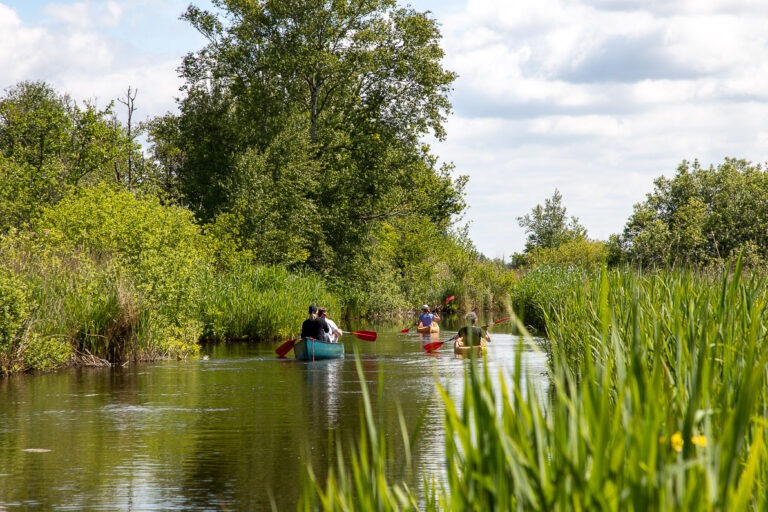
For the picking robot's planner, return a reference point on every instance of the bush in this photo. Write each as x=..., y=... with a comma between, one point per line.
x=259, y=302
x=14, y=310
x=584, y=253
x=116, y=276
x=46, y=353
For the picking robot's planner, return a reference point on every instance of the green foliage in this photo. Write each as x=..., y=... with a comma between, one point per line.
x=300, y=131
x=46, y=353
x=675, y=360
x=548, y=226
x=114, y=275
x=161, y=248
x=49, y=143
x=700, y=217
x=257, y=302
x=539, y=292
x=656, y=401
x=14, y=311
x=588, y=254
x=269, y=213
x=479, y=283
x=166, y=157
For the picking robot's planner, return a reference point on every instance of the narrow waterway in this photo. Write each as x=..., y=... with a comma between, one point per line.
x=233, y=432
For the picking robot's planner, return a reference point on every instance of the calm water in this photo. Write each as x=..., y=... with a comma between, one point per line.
x=235, y=432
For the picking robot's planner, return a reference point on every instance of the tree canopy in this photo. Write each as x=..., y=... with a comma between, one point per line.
x=700, y=216
x=548, y=226
x=49, y=142
x=301, y=126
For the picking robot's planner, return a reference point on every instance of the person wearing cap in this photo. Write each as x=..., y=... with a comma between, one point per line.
x=335, y=332
x=470, y=334
x=427, y=321
x=315, y=326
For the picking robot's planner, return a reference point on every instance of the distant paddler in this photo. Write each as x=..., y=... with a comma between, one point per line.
x=428, y=321
x=471, y=337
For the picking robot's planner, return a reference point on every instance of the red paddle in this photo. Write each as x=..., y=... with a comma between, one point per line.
x=363, y=335
x=434, y=345
x=286, y=347
x=446, y=301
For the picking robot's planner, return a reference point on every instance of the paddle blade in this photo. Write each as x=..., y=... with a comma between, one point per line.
x=449, y=299
x=406, y=329
x=497, y=322
x=432, y=346
x=286, y=347
x=364, y=335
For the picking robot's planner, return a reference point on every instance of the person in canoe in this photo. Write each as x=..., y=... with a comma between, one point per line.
x=470, y=334
x=335, y=332
x=315, y=326
x=427, y=321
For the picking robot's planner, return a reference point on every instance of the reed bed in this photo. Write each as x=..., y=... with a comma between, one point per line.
x=657, y=402
x=258, y=302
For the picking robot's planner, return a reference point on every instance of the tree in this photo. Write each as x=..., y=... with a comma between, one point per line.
x=165, y=156
x=342, y=91
x=48, y=143
x=548, y=226
x=699, y=216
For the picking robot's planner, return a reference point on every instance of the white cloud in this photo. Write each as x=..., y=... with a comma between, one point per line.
x=86, y=15
x=95, y=50
x=18, y=56
x=591, y=125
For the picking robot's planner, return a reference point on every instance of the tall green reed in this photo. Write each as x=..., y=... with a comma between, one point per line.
x=259, y=302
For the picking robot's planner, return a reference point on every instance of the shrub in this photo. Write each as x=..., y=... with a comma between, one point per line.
x=584, y=253
x=14, y=311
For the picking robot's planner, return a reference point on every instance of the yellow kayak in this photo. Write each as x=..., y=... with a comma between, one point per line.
x=461, y=349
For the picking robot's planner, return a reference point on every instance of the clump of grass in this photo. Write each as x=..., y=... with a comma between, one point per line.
x=540, y=291
x=259, y=302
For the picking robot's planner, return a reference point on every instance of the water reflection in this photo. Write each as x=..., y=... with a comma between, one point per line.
x=324, y=387
x=236, y=431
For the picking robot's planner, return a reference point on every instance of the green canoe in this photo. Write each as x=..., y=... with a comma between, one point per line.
x=309, y=349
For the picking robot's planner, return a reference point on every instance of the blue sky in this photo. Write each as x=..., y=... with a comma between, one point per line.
x=596, y=98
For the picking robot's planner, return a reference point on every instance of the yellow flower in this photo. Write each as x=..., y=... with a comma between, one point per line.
x=677, y=441
x=699, y=440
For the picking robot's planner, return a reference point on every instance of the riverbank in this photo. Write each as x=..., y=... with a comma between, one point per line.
x=108, y=277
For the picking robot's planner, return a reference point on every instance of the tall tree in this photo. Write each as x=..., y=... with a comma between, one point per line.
x=354, y=83
x=548, y=226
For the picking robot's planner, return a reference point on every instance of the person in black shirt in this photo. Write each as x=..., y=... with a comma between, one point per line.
x=470, y=334
x=315, y=326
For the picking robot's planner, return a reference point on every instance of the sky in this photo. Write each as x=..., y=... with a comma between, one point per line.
x=594, y=98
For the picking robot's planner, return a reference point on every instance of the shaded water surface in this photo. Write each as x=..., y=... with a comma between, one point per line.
x=235, y=431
